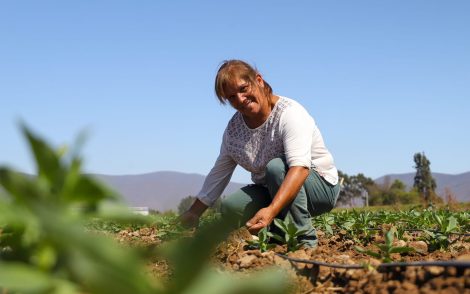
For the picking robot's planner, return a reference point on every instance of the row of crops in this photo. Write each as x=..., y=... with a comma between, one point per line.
x=437, y=227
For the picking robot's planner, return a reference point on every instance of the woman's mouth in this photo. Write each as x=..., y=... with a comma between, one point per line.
x=247, y=103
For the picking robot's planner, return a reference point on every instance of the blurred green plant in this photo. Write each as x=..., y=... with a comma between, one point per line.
x=45, y=246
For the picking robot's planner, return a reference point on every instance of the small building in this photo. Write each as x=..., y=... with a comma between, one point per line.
x=144, y=210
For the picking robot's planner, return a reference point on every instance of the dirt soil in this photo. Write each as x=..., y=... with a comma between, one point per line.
x=235, y=256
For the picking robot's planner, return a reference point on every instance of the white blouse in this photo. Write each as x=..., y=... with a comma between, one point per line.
x=289, y=131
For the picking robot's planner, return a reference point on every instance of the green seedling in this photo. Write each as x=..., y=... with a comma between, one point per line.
x=262, y=242
x=440, y=240
x=363, y=221
x=291, y=232
x=387, y=249
x=326, y=223
x=446, y=225
x=400, y=233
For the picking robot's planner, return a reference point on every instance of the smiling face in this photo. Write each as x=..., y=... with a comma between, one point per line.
x=246, y=97
x=243, y=87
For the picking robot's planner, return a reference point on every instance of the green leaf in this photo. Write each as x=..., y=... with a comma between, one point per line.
x=47, y=160
x=389, y=238
x=329, y=229
x=368, y=252
x=103, y=266
x=20, y=187
x=300, y=233
x=429, y=233
x=438, y=219
x=452, y=225
x=263, y=235
x=383, y=247
x=278, y=238
x=15, y=276
x=44, y=257
x=280, y=224
x=347, y=225
x=88, y=190
x=189, y=256
x=212, y=282
x=291, y=229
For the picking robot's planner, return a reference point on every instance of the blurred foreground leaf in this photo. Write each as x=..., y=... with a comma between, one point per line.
x=45, y=248
x=42, y=238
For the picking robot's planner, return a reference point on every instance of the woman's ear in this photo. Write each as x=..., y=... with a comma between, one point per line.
x=260, y=81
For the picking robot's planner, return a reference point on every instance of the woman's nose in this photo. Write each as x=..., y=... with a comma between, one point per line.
x=240, y=97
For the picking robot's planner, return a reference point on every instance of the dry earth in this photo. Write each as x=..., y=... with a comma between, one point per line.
x=233, y=255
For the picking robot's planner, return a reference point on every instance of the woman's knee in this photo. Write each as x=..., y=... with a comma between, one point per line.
x=276, y=169
x=330, y=205
x=331, y=200
x=322, y=207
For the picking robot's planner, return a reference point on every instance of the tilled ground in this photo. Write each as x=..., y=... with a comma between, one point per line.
x=235, y=256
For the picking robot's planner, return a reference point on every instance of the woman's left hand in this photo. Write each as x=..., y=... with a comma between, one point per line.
x=262, y=219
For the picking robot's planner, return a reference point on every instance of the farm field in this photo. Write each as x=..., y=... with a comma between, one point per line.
x=66, y=233
x=364, y=240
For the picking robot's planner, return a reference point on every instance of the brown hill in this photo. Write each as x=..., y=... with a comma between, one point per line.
x=159, y=190
x=164, y=190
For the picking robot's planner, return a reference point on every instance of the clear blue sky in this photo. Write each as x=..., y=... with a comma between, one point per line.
x=383, y=79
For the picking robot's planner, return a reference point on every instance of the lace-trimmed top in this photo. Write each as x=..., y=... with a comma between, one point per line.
x=289, y=131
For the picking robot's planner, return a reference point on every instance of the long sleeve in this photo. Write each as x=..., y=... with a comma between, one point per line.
x=304, y=145
x=218, y=178
x=297, y=127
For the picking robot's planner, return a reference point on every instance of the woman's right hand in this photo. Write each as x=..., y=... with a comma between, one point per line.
x=189, y=219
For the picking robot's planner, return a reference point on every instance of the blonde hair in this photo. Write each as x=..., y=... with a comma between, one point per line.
x=233, y=69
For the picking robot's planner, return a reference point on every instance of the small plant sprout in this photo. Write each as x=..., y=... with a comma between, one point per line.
x=262, y=242
x=387, y=249
x=291, y=232
x=327, y=221
x=440, y=239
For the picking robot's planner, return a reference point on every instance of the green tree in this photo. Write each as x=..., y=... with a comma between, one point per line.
x=398, y=185
x=393, y=193
x=347, y=193
x=185, y=204
x=353, y=187
x=423, y=181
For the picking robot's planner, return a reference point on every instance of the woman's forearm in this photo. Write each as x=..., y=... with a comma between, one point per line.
x=289, y=188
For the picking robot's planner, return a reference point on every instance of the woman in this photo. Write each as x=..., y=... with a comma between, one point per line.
x=275, y=139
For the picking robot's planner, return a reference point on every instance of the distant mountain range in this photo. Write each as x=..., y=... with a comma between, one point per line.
x=459, y=184
x=159, y=190
x=164, y=190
